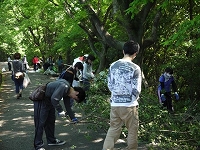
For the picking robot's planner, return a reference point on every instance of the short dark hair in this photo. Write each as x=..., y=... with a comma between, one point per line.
x=169, y=70
x=81, y=95
x=79, y=65
x=17, y=56
x=131, y=47
x=90, y=57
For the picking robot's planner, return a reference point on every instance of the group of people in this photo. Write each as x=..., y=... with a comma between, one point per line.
x=124, y=82
x=62, y=88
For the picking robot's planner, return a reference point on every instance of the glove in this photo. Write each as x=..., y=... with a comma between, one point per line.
x=75, y=120
x=61, y=114
x=176, y=95
x=162, y=97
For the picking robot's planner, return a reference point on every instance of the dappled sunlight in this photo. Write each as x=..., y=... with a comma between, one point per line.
x=17, y=120
x=63, y=134
x=13, y=134
x=1, y=123
x=98, y=140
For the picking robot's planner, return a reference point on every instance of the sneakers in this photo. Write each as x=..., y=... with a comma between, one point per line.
x=19, y=95
x=57, y=142
x=41, y=148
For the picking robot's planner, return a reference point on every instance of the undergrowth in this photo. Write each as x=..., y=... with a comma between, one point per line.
x=158, y=128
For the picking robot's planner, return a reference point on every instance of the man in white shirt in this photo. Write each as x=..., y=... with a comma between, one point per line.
x=124, y=82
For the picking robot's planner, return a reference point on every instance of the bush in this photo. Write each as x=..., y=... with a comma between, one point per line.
x=157, y=127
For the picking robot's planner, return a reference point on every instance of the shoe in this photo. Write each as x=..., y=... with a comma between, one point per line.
x=57, y=142
x=20, y=95
x=41, y=148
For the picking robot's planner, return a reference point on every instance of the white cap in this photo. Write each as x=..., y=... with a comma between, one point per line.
x=86, y=55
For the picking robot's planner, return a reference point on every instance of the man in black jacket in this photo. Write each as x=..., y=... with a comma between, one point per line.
x=44, y=111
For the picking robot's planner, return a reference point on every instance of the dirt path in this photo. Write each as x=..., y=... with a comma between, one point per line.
x=17, y=126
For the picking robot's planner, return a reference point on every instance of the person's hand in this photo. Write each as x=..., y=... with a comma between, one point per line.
x=176, y=95
x=75, y=120
x=61, y=114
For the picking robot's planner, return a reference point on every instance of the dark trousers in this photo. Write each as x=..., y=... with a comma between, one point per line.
x=44, y=119
x=35, y=67
x=86, y=84
x=9, y=66
x=168, y=102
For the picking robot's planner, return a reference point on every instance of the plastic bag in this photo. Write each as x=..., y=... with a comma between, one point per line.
x=26, y=81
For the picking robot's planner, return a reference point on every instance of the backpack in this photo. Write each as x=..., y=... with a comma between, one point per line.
x=63, y=73
x=38, y=94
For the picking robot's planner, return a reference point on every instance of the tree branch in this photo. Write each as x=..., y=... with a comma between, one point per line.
x=150, y=40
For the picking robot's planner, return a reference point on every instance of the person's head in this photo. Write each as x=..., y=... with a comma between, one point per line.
x=78, y=66
x=77, y=93
x=85, y=57
x=17, y=56
x=60, y=57
x=169, y=70
x=131, y=48
x=90, y=59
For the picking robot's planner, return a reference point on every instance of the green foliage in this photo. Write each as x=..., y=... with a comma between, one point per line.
x=136, y=6
x=46, y=28
x=164, y=129
x=97, y=107
x=158, y=128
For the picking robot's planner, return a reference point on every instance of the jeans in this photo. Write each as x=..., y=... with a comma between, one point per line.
x=118, y=117
x=18, y=84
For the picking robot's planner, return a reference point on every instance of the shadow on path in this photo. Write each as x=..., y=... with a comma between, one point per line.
x=17, y=126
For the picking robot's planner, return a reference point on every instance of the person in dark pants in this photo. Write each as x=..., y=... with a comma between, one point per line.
x=44, y=111
x=18, y=74
x=164, y=89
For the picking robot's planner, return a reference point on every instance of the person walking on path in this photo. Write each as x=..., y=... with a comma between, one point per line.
x=18, y=74
x=44, y=111
x=164, y=89
x=124, y=82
